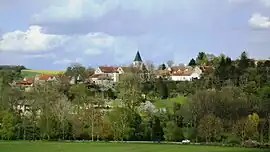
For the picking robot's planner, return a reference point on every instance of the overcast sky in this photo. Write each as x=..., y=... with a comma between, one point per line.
x=50, y=34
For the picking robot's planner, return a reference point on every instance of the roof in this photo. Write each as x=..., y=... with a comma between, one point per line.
x=186, y=73
x=25, y=81
x=45, y=77
x=138, y=57
x=177, y=68
x=206, y=68
x=129, y=69
x=108, y=69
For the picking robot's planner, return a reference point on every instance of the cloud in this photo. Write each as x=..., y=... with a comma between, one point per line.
x=259, y=21
x=97, y=8
x=34, y=44
x=265, y=3
x=30, y=41
x=126, y=18
x=40, y=56
x=66, y=62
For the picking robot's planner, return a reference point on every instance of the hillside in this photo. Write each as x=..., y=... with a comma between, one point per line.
x=27, y=73
x=168, y=103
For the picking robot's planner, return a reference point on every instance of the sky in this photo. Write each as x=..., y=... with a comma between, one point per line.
x=50, y=34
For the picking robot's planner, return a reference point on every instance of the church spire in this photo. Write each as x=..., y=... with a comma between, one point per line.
x=138, y=57
x=137, y=60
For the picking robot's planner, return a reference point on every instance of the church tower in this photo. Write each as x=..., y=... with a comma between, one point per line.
x=138, y=60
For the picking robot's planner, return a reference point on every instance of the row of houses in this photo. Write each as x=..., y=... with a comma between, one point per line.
x=112, y=74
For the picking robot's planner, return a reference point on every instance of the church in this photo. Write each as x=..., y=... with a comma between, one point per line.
x=108, y=74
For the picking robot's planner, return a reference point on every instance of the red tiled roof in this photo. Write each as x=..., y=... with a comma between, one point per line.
x=45, y=77
x=28, y=79
x=108, y=69
x=206, y=68
x=177, y=68
x=186, y=73
x=25, y=81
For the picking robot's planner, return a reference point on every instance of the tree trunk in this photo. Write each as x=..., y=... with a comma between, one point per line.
x=261, y=131
x=269, y=129
x=63, y=131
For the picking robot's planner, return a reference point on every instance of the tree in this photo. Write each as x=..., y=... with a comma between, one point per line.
x=61, y=111
x=170, y=63
x=210, y=128
x=6, y=125
x=77, y=73
x=157, y=130
x=251, y=127
x=172, y=132
x=162, y=88
x=192, y=62
x=129, y=90
x=162, y=67
x=246, y=128
x=265, y=105
x=119, y=120
x=201, y=58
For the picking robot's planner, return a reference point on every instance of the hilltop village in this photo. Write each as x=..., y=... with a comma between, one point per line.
x=212, y=99
x=112, y=74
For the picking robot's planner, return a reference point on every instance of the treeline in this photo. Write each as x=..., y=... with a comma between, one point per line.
x=229, y=104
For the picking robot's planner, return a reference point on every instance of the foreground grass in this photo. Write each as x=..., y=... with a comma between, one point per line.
x=111, y=147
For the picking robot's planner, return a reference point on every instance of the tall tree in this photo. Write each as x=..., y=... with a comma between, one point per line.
x=265, y=105
x=201, y=58
x=192, y=62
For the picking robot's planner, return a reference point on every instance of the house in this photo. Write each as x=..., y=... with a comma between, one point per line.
x=105, y=74
x=29, y=82
x=26, y=84
x=41, y=78
x=185, y=73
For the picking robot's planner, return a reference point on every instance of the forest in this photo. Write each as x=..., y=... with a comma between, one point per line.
x=229, y=104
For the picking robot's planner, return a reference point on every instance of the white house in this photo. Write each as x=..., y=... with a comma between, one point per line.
x=185, y=74
x=105, y=74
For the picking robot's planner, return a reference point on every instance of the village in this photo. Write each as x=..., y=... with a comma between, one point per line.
x=112, y=74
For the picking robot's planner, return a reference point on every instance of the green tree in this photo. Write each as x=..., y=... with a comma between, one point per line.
x=6, y=125
x=129, y=90
x=265, y=105
x=201, y=58
x=172, y=132
x=120, y=123
x=162, y=67
x=210, y=128
x=162, y=88
x=192, y=62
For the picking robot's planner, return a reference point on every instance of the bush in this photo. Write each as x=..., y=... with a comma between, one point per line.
x=251, y=144
x=232, y=140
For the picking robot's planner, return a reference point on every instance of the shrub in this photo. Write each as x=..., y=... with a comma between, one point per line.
x=251, y=144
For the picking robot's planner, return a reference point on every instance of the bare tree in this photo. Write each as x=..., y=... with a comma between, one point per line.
x=170, y=63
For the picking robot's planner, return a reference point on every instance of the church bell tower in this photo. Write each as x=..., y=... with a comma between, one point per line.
x=137, y=60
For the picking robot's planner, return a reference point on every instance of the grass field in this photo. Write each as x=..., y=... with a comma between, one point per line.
x=26, y=73
x=168, y=103
x=111, y=147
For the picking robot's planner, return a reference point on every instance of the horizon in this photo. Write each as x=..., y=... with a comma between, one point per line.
x=38, y=35
x=155, y=64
